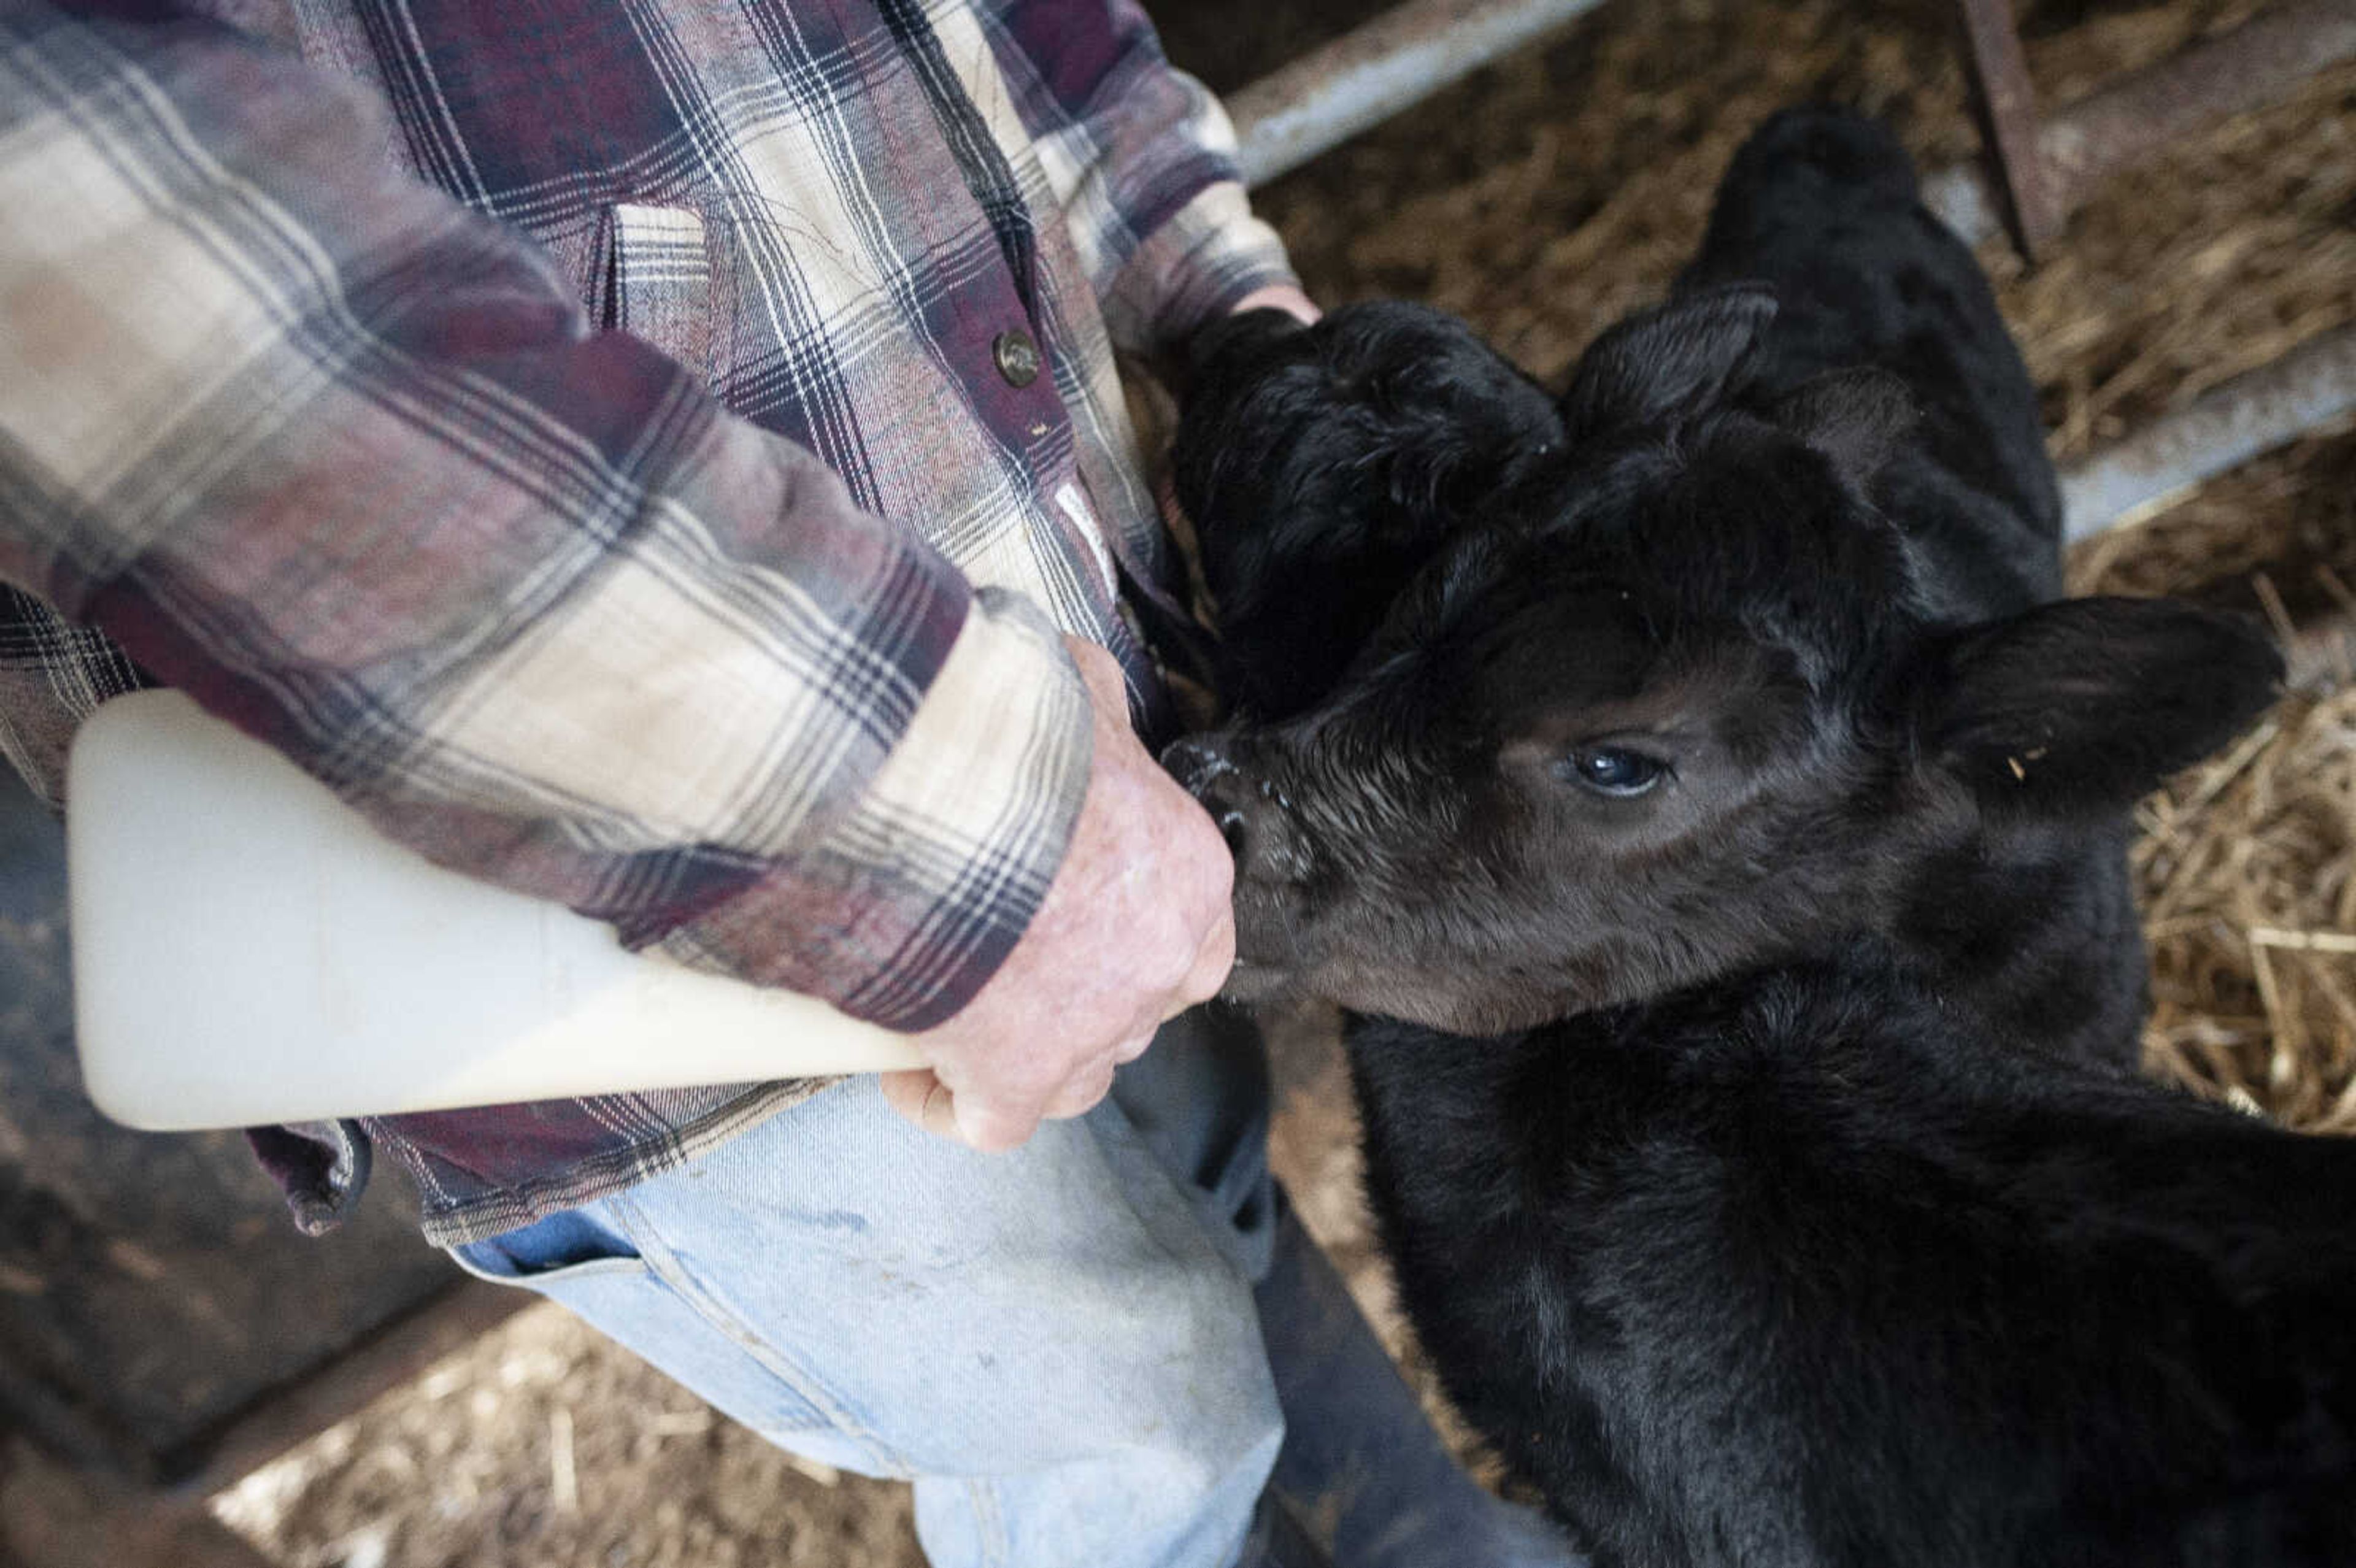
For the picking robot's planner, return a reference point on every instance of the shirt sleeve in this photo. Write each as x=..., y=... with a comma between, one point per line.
x=1143, y=160
x=345, y=461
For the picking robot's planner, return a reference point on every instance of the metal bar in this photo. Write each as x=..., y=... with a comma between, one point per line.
x=2007, y=107
x=2243, y=69
x=2139, y=474
x=1369, y=74
x=2255, y=64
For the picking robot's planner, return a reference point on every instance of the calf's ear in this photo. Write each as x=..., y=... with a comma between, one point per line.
x=2087, y=704
x=1665, y=362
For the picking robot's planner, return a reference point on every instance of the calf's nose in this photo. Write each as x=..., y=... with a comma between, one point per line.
x=1211, y=776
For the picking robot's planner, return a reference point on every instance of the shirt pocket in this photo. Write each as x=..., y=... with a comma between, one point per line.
x=655, y=281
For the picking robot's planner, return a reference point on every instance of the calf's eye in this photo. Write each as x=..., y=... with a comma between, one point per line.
x=1614, y=770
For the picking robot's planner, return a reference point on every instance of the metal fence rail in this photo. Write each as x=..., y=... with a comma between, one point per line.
x=2312, y=387
x=2133, y=120
x=1367, y=75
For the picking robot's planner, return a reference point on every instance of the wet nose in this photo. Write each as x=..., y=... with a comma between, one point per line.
x=1211, y=778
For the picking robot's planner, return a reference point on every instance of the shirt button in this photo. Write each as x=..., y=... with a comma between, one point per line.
x=1017, y=356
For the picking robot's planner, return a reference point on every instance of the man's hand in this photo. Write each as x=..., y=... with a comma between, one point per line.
x=1283, y=297
x=1136, y=928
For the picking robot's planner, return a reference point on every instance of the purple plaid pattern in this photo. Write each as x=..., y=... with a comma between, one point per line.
x=571, y=431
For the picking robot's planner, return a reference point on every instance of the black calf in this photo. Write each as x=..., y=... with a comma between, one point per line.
x=1736, y=754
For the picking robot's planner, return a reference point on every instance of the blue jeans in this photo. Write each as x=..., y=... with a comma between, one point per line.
x=1057, y=1345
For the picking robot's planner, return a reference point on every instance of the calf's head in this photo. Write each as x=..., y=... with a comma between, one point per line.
x=1661, y=701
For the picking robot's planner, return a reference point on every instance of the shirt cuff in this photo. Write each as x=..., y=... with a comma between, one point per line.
x=915, y=897
x=1205, y=257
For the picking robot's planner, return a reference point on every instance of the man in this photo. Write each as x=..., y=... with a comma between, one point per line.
x=667, y=458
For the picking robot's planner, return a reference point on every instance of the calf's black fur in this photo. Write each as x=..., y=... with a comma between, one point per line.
x=1719, y=750
x=1333, y=463
x=1809, y=1267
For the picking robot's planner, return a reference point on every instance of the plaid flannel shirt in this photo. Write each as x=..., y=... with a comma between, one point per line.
x=576, y=434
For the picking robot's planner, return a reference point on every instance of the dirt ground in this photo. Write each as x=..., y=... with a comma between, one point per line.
x=1541, y=200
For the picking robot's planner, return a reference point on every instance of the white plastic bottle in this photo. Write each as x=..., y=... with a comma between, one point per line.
x=248, y=949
